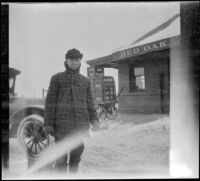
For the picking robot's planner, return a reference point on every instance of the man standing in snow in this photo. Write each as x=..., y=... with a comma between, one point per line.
x=69, y=108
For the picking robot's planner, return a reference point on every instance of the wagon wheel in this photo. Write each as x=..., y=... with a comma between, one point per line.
x=31, y=137
x=112, y=112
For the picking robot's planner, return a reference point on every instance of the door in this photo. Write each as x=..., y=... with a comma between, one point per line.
x=164, y=88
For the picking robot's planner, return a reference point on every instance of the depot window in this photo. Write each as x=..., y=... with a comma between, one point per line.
x=136, y=78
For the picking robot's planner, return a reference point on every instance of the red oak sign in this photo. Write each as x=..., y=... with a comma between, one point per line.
x=158, y=45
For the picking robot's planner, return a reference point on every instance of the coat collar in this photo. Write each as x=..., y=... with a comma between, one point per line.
x=71, y=71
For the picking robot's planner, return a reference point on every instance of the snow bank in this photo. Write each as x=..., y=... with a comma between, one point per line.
x=128, y=148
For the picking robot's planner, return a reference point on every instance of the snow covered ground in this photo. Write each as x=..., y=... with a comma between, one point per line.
x=131, y=146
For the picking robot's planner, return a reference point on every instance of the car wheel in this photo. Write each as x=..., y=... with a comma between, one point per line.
x=31, y=137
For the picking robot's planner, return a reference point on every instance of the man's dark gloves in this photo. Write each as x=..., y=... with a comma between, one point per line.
x=95, y=126
x=49, y=130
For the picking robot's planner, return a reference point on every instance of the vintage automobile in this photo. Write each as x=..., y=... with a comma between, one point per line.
x=26, y=120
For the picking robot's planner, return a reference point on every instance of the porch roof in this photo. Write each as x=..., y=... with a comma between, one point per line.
x=155, y=40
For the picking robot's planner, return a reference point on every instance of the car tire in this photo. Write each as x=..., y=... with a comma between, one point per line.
x=31, y=137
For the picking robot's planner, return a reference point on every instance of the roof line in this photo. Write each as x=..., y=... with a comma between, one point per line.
x=157, y=29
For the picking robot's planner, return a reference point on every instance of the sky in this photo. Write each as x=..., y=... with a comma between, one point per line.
x=41, y=33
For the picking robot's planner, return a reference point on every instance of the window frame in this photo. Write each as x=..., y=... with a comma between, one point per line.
x=132, y=78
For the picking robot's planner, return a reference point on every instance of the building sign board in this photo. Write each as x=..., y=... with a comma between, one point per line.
x=99, y=72
x=150, y=47
x=95, y=72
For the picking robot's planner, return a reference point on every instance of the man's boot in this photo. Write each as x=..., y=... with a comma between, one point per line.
x=61, y=164
x=73, y=166
x=75, y=158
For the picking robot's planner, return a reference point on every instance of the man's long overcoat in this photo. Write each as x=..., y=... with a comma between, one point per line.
x=69, y=104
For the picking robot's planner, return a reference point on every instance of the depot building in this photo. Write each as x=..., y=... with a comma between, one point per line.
x=143, y=69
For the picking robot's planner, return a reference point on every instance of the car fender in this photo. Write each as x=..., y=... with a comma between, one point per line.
x=17, y=117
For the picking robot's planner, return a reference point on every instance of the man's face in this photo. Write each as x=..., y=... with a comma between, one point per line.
x=73, y=63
